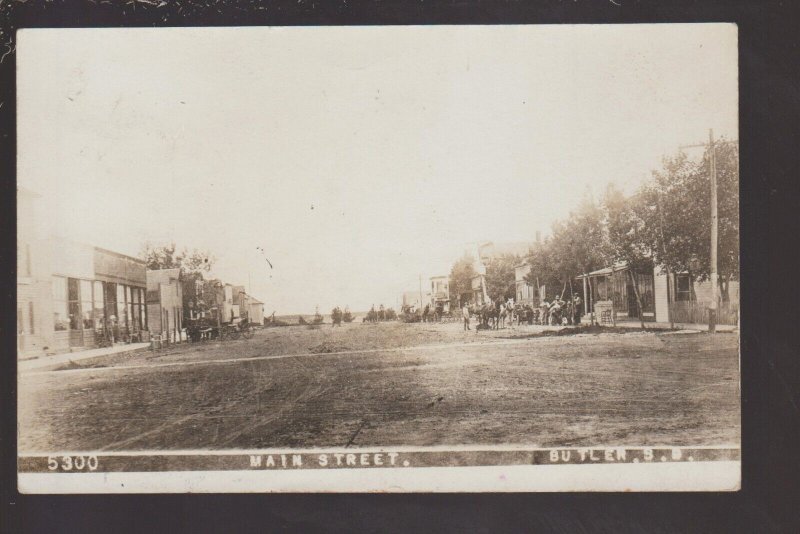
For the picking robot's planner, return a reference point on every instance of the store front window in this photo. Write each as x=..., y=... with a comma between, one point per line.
x=98, y=305
x=144, y=308
x=86, y=304
x=74, y=303
x=122, y=319
x=60, y=316
x=129, y=308
x=136, y=314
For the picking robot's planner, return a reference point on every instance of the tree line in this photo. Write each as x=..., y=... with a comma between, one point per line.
x=665, y=222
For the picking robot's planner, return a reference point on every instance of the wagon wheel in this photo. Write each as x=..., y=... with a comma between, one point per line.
x=223, y=333
x=233, y=334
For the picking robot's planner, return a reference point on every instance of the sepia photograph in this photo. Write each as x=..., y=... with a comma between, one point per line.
x=378, y=259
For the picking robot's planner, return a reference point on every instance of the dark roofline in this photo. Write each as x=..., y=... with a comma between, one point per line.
x=178, y=269
x=120, y=255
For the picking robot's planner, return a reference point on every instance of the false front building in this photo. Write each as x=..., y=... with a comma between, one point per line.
x=440, y=294
x=71, y=295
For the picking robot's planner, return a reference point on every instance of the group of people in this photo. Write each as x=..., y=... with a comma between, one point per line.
x=556, y=312
x=560, y=311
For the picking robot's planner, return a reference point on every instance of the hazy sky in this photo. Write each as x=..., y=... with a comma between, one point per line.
x=357, y=158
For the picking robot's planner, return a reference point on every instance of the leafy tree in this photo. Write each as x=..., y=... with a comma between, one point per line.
x=159, y=257
x=461, y=277
x=628, y=236
x=196, y=261
x=580, y=244
x=677, y=214
x=542, y=263
x=168, y=257
x=500, y=277
x=727, y=167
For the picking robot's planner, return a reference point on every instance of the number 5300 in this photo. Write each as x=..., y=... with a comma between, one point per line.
x=72, y=463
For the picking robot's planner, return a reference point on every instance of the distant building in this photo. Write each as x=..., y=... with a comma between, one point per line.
x=479, y=295
x=255, y=310
x=230, y=306
x=440, y=293
x=249, y=307
x=490, y=250
x=412, y=298
x=526, y=293
x=484, y=253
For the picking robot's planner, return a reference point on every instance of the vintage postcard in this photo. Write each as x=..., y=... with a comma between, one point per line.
x=378, y=259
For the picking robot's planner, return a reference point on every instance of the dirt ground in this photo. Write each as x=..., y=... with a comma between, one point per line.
x=393, y=384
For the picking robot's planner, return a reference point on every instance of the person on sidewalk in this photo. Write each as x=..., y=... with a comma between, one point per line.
x=577, y=302
x=465, y=315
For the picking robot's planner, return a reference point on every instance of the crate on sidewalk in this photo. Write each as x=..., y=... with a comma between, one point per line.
x=604, y=311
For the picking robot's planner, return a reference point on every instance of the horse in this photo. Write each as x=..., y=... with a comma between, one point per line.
x=495, y=311
x=504, y=311
x=487, y=312
x=511, y=312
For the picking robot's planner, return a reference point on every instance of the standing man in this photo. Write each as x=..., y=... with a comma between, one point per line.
x=577, y=302
x=465, y=315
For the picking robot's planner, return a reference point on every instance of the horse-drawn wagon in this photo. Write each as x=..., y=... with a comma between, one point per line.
x=205, y=329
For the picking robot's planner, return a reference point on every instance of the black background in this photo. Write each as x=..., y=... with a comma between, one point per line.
x=769, y=60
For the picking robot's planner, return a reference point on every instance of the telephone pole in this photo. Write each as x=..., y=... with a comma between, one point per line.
x=714, y=278
x=712, y=309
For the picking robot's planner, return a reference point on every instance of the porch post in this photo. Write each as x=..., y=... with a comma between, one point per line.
x=585, y=297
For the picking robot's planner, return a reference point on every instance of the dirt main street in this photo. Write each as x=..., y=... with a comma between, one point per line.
x=393, y=384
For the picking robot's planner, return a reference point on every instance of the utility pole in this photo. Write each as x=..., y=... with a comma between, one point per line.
x=714, y=278
x=712, y=309
x=420, y=291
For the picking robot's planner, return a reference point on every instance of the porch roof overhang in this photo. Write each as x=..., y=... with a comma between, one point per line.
x=604, y=271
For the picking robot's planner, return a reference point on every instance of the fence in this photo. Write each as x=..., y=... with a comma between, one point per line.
x=697, y=312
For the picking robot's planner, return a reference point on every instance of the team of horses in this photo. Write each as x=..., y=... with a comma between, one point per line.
x=491, y=315
x=494, y=315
